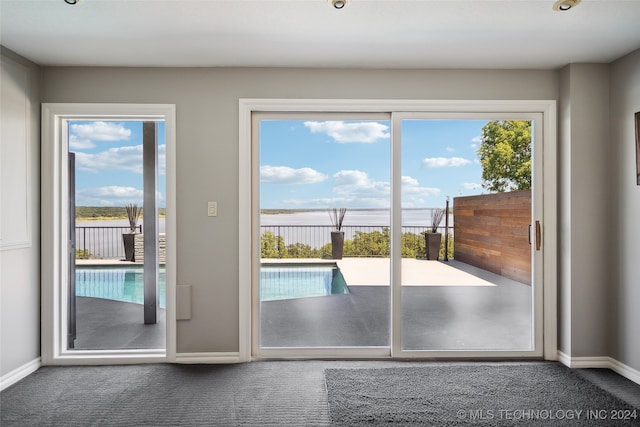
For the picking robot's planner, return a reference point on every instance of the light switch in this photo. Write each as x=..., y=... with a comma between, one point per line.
x=212, y=208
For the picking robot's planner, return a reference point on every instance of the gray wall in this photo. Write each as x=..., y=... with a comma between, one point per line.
x=584, y=221
x=207, y=151
x=20, y=265
x=625, y=312
x=599, y=289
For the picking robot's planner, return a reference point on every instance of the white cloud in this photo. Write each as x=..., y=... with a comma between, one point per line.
x=414, y=195
x=127, y=158
x=450, y=149
x=287, y=175
x=355, y=188
x=76, y=143
x=441, y=162
x=357, y=183
x=342, y=132
x=475, y=141
x=411, y=186
x=112, y=195
x=471, y=185
x=100, y=131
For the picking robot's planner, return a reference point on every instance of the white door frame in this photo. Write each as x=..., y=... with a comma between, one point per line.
x=545, y=163
x=54, y=274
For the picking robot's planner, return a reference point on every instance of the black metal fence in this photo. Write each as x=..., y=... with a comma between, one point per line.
x=106, y=242
x=317, y=236
x=101, y=242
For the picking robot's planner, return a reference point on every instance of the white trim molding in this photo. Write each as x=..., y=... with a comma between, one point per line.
x=545, y=330
x=54, y=268
x=601, y=362
x=15, y=144
x=19, y=373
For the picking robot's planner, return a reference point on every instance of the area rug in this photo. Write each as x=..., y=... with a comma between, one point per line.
x=480, y=395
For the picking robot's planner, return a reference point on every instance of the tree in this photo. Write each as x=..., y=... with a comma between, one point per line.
x=505, y=155
x=272, y=246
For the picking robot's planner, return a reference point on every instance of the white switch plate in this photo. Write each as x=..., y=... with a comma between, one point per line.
x=212, y=208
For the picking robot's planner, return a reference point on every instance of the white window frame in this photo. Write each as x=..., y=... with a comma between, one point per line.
x=545, y=108
x=55, y=220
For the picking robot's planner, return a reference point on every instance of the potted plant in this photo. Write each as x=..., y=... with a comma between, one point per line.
x=133, y=214
x=432, y=237
x=337, y=235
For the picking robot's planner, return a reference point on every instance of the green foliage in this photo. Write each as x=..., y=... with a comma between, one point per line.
x=373, y=244
x=505, y=155
x=272, y=246
x=300, y=250
x=450, y=247
x=83, y=254
x=413, y=245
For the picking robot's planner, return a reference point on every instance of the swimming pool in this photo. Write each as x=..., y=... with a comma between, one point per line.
x=279, y=281
x=117, y=283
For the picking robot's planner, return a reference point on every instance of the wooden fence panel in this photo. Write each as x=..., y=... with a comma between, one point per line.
x=492, y=232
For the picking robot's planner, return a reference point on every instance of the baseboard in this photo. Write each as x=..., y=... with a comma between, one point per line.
x=19, y=373
x=600, y=362
x=219, y=357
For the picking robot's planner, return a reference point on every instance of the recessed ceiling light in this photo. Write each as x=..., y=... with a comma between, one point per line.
x=71, y=1
x=338, y=4
x=563, y=5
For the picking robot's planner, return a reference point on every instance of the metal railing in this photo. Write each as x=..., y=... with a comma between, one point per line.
x=98, y=242
x=101, y=242
x=317, y=236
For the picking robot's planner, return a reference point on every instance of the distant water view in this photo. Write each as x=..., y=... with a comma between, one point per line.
x=368, y=217
x=108, y=243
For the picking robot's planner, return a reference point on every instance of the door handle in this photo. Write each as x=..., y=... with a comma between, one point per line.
x=538, y=235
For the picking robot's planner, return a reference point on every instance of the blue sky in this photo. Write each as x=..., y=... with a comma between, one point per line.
x=109, y=162
x=304, y=164
x=322, y=164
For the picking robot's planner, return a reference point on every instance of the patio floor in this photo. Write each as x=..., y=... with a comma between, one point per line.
x=104, y=324
x=446, y=306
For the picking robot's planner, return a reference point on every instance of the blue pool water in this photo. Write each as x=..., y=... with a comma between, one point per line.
x=300, y=281
x=116, y=283
x=276, y=282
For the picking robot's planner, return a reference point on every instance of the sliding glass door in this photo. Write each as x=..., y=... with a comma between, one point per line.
x=440, y=219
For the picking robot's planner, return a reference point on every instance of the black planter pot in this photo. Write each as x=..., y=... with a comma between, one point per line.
x=129, y=246
x=337, y=244
x=432, y=243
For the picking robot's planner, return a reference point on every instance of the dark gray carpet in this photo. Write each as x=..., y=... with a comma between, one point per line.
x=538, y=394
x=255, y=394
x=261, y=393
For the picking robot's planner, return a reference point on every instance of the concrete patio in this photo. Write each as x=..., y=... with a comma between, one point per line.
x=446, y=306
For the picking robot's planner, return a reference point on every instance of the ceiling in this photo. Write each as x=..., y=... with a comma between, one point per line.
x=523, y=34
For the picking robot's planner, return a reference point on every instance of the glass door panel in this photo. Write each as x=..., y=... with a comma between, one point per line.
x=324, y=191
x=117, y=195
x=466, y=276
